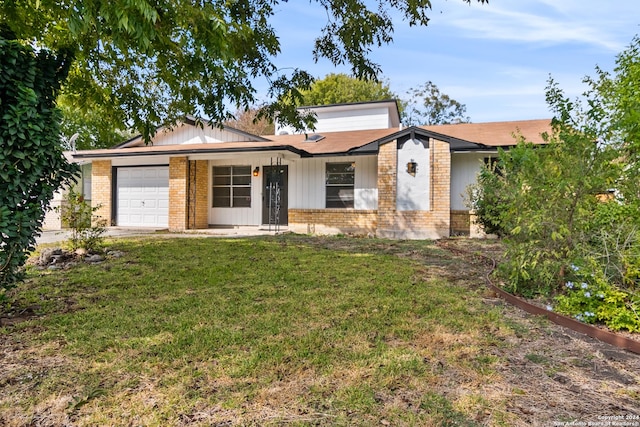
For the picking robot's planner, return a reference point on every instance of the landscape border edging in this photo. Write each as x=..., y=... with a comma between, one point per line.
x=567, y=322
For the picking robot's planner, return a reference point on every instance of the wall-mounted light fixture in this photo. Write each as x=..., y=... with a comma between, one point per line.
x=412, y=168
x=256, y=171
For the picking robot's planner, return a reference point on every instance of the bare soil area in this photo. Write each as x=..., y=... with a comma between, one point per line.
x=554, y=374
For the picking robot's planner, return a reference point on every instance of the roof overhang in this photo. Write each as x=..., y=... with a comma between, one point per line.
x=179, y=151
x=418, y=134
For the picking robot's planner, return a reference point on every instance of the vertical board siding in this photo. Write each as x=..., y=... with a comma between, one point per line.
x=366, y=186
x=189, y=134
x=239, y=216
x=464, y=172
x=306, y=189
x=306, y=186
x=307, y=182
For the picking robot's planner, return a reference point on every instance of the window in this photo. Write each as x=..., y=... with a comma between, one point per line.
x=340, y=182
x=232, y=186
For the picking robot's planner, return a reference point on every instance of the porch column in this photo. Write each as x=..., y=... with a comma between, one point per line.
x=178, y=196
x=387, y=178
x=200, y=182
x=101, y=191
x=441, y=188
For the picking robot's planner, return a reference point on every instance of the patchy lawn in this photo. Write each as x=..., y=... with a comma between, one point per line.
x=298, y=331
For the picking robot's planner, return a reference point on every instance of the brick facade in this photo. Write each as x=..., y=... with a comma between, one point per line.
x=188, y=194
x=333, y=221
x=189, y=205
x=178, y=193
x=101, y=188
x=427, y=224
x=387, y=170
x=201, y=200
x=460, y=223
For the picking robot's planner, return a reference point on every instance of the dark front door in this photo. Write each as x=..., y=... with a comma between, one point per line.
x=274, y=195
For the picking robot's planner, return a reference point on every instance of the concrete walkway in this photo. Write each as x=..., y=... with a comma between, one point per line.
x=54, y=236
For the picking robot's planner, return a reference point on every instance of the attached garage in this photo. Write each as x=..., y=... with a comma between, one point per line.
x=142, y=196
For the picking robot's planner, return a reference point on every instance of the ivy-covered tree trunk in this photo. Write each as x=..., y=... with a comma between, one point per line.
x=32, y=166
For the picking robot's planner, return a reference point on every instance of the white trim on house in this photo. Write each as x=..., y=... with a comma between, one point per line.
x=413, y=203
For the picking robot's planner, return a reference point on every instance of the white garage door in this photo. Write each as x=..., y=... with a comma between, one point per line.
x=143, y=196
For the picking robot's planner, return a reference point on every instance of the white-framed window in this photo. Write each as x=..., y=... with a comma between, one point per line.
x=231, y=186
x=340, y=181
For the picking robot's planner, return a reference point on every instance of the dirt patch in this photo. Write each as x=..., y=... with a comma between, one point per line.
x=552, y=374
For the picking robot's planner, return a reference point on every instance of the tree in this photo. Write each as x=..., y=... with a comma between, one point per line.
x=147, y=64
x=342, y=89
x=428, y=106
x=157, y=62
x=569, y=210
x=92, y=129
x=248, y=121
x=620, y=95
x=32, y=164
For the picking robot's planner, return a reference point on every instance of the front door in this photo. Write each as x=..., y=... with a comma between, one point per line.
x=274, y=195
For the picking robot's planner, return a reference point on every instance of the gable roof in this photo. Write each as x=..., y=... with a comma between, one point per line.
x=190, y=121
x=461, y=137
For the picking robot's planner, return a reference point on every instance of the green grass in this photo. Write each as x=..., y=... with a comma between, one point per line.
x=257, y=331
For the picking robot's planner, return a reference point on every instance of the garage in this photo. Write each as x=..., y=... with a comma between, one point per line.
x=142, y=196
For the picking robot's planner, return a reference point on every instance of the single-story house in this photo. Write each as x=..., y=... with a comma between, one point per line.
x=360, y=172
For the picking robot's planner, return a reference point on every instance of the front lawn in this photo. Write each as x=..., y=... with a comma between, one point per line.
x=264, y=331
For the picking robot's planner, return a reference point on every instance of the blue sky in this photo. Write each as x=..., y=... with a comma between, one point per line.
x=496, y=58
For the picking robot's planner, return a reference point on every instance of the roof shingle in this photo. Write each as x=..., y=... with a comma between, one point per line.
x=495, y=134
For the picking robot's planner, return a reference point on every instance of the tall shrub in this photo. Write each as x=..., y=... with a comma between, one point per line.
x=32, y=166
x=572, y=205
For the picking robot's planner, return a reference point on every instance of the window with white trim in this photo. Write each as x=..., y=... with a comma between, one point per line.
x=232, y=186
x=340, y=182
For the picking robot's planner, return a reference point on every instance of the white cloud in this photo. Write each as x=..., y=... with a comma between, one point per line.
x=548, y=22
